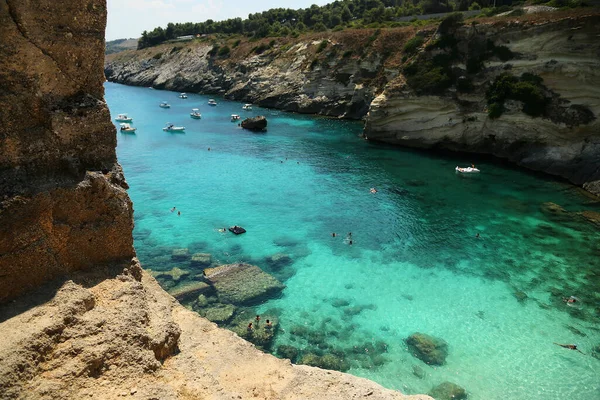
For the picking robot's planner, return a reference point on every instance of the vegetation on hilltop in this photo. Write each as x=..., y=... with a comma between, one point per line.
x=338, y=15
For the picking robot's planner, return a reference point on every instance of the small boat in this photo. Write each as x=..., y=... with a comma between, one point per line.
x=164, y=104
x=195, y=113
x=238, y=230
x=123, y=118
x=247, y=107
x=467, y=170
x=235, y=117
x=183, y=96
x=126, y=128
x=172, y=128
x=212, y=102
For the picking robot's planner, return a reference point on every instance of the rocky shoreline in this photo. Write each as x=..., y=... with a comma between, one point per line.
x=361, y=75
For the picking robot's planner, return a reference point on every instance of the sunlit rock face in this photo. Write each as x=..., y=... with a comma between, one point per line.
x=565, y=143
x=63, y=201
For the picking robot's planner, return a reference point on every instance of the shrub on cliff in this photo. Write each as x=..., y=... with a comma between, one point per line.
x=427, y=78
x=413, y=45
x=528, y=89
x=224, y=51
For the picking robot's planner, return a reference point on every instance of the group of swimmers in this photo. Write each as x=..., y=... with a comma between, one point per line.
x=571, y=300
x=268, y=324
x=348, y=238
x=175, y=208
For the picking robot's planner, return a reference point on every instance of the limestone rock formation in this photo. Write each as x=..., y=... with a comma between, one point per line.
x=563, y=53
x=429, y=349
x=255, y=124
x=63, y=205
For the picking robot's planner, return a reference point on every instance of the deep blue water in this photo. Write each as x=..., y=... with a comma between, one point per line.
x=414, y=265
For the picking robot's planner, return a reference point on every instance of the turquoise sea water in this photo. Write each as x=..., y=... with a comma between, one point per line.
x=415, y=264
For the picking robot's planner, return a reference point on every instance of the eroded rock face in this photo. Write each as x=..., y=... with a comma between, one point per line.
x=63, y=205
x=563, y=53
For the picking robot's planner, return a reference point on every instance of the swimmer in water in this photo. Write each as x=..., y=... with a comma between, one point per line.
x=571, y=300
x=373, y=190
x=569, y=346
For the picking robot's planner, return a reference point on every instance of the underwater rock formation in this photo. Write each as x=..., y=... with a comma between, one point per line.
x=429, y=349
x=448, y=391
x=242, y=283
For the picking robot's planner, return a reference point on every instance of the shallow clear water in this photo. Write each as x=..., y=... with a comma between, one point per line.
x=415, y=264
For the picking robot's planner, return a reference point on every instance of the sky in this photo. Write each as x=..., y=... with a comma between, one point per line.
x=129, y=18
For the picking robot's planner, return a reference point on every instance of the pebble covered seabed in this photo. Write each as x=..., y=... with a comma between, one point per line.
x=415, y=265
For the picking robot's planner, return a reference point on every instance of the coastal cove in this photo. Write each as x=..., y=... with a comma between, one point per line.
x=415, y=263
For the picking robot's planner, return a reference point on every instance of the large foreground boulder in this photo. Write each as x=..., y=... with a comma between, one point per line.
x=255, y=124
x=242, y=283
x=429, y=349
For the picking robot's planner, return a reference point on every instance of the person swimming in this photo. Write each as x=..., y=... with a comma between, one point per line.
x=222, y=230
x=173, y=209
x=570, y=300
x=569, y=346
x=268, y=325
x=373, y=190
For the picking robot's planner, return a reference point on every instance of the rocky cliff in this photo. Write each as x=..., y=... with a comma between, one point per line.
x=337, y=74
x=564, y=140
x=358, y=73
x=79, y=318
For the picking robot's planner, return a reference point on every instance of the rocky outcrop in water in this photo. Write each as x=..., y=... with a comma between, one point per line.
x=255, y=124
x=84, y=320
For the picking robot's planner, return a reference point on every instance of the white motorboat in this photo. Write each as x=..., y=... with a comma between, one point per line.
x=172, y=128
x=195, y=113
x=123, y=118
x=126, y=128
x=164, y=104
x=183, y=96
x=247, y=107
x=212, y=102
x=235, y=117
x=467, y=170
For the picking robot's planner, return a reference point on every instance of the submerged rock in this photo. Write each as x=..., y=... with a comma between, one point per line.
x=180, y=254
x=418, y=372
x=220, y=313
x=188, y=290
x=255, y=124
x=175, y=274
x=289, y=352
x=242, y=283
x=591, y=216
x=429, y=349
x=448, y=391
x=278, y=261
x=327, y=361
x=201, y=260
x=260, y=334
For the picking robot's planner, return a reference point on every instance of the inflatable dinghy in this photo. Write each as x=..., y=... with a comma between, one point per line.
x=238, y=230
